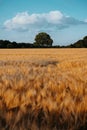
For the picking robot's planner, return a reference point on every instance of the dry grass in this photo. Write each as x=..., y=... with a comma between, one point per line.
x=43, y=89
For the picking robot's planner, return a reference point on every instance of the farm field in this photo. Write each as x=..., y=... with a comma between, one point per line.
x=43, y=89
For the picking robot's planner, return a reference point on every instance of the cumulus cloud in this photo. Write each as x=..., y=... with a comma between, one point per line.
x=45, y=21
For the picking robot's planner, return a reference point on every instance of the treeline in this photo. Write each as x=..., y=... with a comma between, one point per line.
x=8, y=44
x=79, y=44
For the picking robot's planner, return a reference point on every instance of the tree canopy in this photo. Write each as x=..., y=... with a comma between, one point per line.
x=43, y=40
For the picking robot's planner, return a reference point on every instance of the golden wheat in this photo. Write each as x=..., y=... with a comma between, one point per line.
x=43, y=89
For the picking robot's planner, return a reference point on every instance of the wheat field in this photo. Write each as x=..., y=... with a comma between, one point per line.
x=43, y=89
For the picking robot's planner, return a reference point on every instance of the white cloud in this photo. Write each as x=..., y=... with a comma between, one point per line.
x=52, y=20
x=53, y=17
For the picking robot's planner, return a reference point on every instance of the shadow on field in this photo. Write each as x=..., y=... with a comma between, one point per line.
x=36, y=63
x=45, y=63
x=17, y=119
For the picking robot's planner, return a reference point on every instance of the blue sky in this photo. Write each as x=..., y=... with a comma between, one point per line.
x=64, y=20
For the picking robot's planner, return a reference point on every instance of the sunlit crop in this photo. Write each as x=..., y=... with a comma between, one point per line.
x=43, y=89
